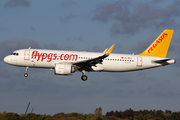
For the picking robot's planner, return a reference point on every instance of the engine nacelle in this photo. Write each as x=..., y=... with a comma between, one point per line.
x=63, y=69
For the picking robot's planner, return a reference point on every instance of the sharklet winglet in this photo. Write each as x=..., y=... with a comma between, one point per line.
x=110, y=50
x=105, y=50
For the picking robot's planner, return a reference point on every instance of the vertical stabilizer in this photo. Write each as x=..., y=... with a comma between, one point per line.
x=160, y=46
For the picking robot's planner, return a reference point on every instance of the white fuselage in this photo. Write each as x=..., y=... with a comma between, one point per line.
x=40, y=58
x=67, y=62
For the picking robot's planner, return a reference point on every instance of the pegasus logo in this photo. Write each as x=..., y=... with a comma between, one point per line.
x=157, y=41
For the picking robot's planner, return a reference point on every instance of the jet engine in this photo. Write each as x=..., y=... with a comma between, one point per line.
x=63, y=69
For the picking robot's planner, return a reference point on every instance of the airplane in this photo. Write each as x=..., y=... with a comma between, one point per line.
x=68, y=62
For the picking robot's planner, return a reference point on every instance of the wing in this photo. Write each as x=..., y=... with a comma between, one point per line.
x=87, y=64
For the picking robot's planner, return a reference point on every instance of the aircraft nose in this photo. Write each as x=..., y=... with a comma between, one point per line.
x=6, y=59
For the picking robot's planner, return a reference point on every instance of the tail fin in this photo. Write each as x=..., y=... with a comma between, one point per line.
x=160, y=46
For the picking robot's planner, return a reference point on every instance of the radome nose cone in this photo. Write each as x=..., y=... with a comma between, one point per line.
x=6, y=60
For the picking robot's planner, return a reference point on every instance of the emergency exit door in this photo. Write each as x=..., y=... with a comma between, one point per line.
x=139, y=61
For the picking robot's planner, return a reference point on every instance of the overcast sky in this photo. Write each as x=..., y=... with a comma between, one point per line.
x=88, y=26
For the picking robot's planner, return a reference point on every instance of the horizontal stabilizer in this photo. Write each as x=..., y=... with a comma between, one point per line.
x=165, y=61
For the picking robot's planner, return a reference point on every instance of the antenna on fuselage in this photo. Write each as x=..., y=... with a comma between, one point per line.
x=29, y=47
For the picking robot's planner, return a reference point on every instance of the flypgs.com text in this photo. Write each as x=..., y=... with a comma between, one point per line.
x=53, y=56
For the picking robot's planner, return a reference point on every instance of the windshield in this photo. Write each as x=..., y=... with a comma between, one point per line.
x=15, y=54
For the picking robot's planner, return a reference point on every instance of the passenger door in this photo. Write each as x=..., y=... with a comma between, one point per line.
x=26, y=54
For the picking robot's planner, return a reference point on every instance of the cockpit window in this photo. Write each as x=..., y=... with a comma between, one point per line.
x=15, y=54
